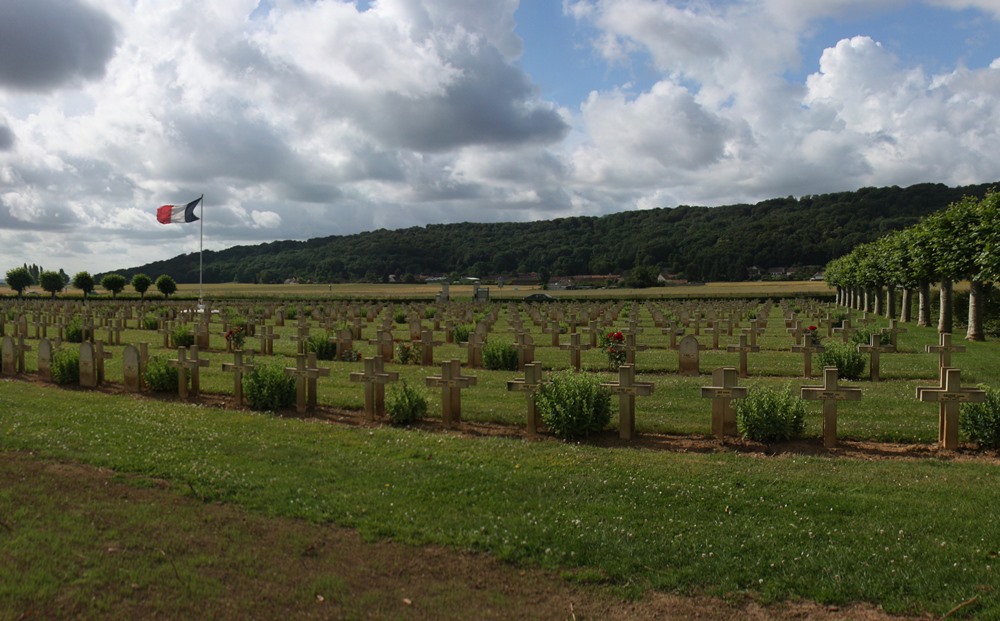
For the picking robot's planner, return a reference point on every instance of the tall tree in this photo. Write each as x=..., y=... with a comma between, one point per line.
x=166, y=285
x=84, y=282
x=19, y=279
x=51, y=282
x=141, y=283
x=113, y=283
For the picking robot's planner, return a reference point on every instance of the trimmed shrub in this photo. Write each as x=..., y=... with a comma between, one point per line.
x=65, y=366
x=981, y=421
x=74, y=330
x=429, y=312
x=770, y=415
x=405, y=404
x=574, y=405
x=399, y=316
x=461, y=332
x=150, y=323
x=183, y=337
x=266, y=387
x=322, y=347
x=849, y=361
x=500, y=356
x=160, y=376
x=864, y=334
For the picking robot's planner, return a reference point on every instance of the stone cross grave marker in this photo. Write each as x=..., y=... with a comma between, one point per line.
x=845, y=331
x=715, y=327
x=115, y=332
x=689, y=356
x=374, y=378
x=627, y=390
x=893, y=331
x=949, y=395
x=384, y=342
x=631, y=347
x=345, y=344
x=575, y=348
x=807, y=348
x=553, y=329
x=744, y=348
x=188, y=367
x=99, y=357
x=474, y=346
x=593, y=329
x=238, y=367
x=944, y=349
x=267, y=338
x=427, y=345
x=873, y=349
x=88, y=365
x=529, y=384
x=301, y=336
x=755, y=330
x=525, y=346
x=167, y=330
x=829, y=393
x=8, y=355
x=305, y=373
x=45, y=360
x=131, y=369
x=722, y=393
x=451, y=382
x=673, y=330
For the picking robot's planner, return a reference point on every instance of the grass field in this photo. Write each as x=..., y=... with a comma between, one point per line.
x=915, y=535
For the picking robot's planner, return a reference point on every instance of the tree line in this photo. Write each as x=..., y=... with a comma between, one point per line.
x=961, y=242
x=20, y=278
x=696, y=243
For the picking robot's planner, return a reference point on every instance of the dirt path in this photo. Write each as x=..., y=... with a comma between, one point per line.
x=280, y=568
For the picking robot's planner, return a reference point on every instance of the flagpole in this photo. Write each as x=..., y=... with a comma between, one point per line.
x=201, y=252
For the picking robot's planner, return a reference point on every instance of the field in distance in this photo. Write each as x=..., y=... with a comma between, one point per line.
x=367, y=290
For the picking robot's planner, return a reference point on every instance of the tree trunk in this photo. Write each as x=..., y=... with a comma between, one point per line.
x=890, y=302
x=877, y=301
x=924, y=304
x=904, y=308
x=945, y=316
x=975, y=331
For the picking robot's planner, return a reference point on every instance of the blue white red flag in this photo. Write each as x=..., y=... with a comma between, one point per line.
x=178, y=214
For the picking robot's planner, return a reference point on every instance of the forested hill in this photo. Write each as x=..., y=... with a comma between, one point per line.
x=701, y=243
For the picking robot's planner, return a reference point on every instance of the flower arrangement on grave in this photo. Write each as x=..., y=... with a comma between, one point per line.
x=409, y=353
x=350, y=355
x=614, y=344
x=236, y=337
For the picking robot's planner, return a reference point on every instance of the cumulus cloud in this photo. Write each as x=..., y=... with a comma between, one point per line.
x=302, y=119
x=45, y=44
x=6, y=137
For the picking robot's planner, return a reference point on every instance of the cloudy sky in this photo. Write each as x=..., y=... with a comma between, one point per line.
x=308, y=118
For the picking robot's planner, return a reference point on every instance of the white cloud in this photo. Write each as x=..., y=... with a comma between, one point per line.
x=301, y=119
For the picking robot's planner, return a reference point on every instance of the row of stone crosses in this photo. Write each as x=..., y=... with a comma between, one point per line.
x=683, y=322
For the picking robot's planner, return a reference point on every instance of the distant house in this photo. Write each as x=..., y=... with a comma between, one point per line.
x=670, y=278
x=775, y=272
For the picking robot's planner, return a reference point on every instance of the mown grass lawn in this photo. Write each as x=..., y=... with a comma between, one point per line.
x=915, y=535
x=912, y=535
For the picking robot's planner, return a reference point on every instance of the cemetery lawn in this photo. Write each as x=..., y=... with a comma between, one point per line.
x=201, y=511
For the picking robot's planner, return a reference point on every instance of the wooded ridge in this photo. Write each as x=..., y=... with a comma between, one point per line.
x=698, y=243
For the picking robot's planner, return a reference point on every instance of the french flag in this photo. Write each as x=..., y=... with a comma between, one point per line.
x=178, y=214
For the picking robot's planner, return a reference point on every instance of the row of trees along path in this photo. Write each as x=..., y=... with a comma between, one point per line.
x=961, y=242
